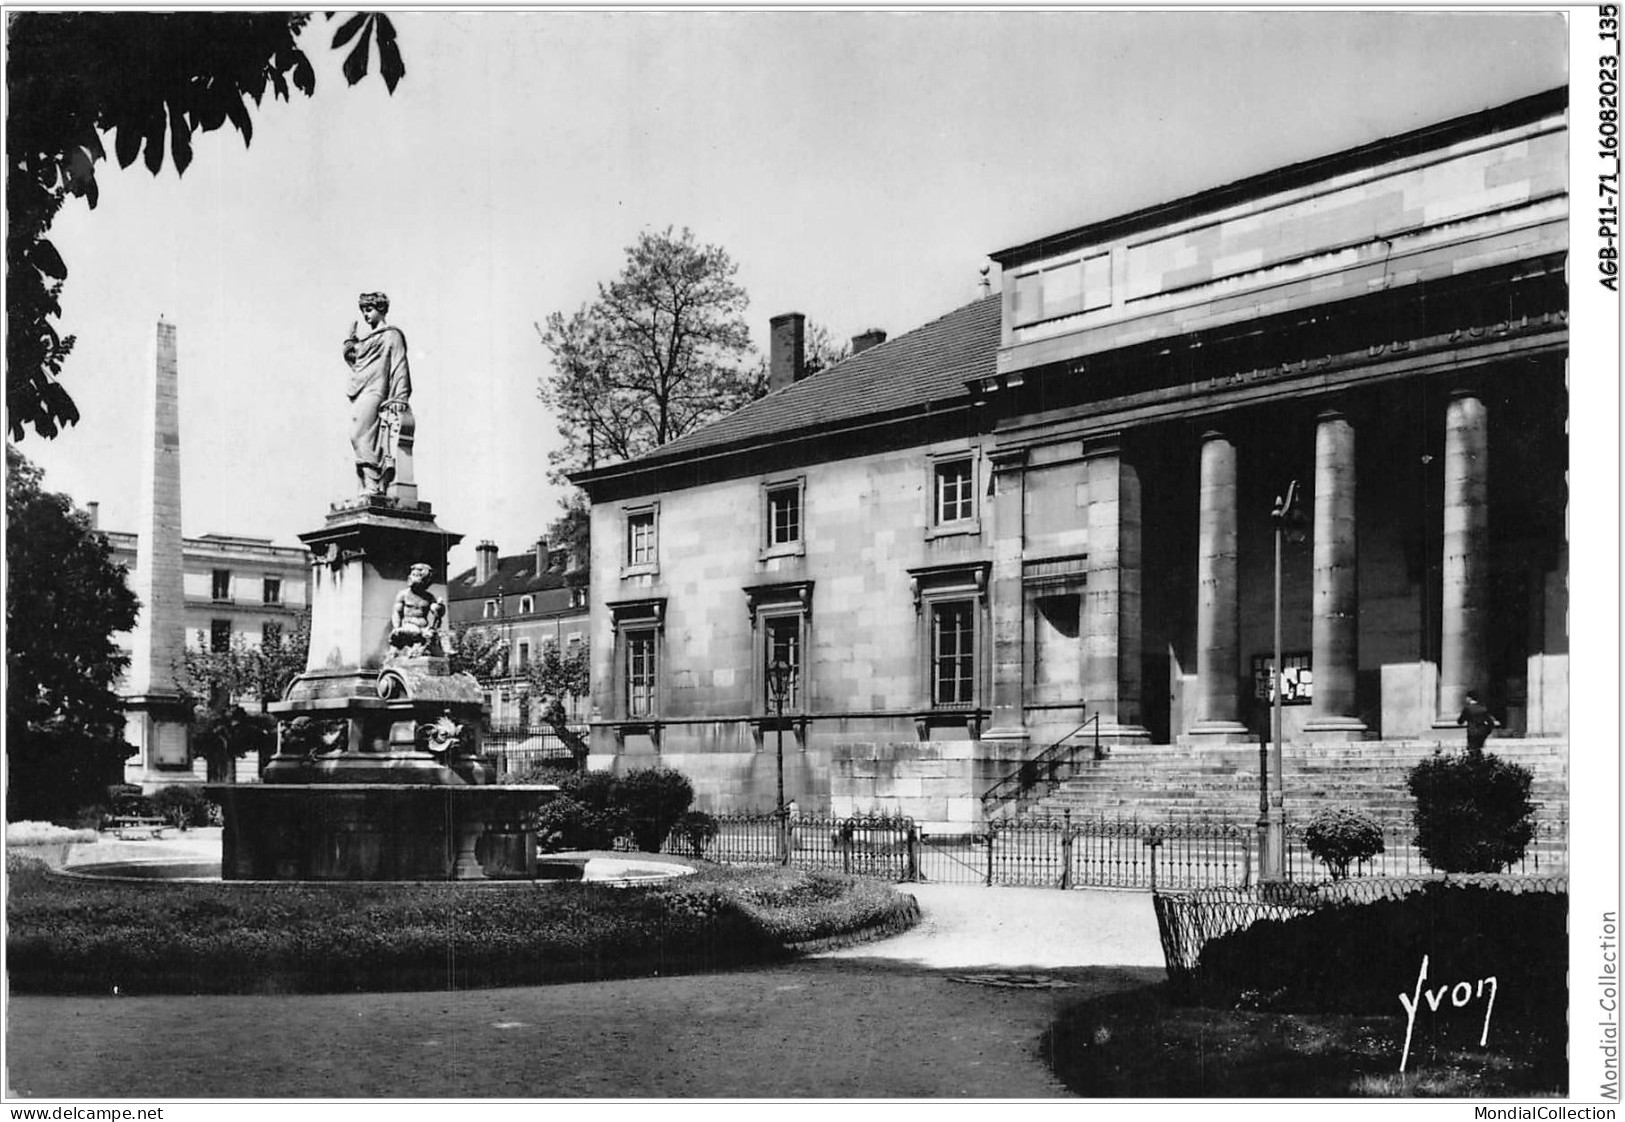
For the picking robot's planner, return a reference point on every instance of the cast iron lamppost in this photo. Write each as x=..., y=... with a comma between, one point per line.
x=780, y=675
x=1273, y=856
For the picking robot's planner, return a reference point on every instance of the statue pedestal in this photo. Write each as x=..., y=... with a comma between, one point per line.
x=361, y=713
x=362, y=558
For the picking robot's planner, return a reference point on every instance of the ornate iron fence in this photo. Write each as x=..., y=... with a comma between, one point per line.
x=513, y=749
x=1075, y=851
x=1547, y=854
x=869, y=845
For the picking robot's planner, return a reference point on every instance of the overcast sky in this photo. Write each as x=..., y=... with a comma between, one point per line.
x=858, y=166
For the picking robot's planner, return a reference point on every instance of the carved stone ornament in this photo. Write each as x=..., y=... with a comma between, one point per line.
x=441, y=737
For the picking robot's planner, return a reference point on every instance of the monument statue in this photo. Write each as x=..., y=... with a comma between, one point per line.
x=380, y=393
x=416, y=621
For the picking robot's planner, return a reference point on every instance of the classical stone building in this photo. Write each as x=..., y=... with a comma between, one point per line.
x=232, y=586
x=1054, y=505
x=533, y=600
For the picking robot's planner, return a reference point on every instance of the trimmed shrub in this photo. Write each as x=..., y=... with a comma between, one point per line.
x=1354, y=958
x=695, y=830
x=1473, y=813
x=183, y=806
x=653, y=799
x=641, y=805
x=1338, y=836
x=565, y=824
x=74, y=936
x=593, y=789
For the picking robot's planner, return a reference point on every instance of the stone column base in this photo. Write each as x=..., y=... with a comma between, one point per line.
x=1334, y=730
x=1120, y=734
x=1217, y=732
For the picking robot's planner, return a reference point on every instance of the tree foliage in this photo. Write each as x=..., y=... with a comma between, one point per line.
x=147, y=81
x=65, y=600
x=218, y=682
x=258, y=673
x=659, y=353
x=572, y=531
x=479, y=651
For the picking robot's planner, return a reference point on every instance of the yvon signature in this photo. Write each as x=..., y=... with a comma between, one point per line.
x=1461, y=995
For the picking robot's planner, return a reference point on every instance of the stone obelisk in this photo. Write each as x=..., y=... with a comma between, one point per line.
x=155, y=711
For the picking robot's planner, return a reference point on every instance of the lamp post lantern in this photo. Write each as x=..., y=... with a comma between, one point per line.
x=779, y=677
x=1273, y=856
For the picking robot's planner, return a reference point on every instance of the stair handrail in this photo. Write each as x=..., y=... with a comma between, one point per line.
x=1018, y=783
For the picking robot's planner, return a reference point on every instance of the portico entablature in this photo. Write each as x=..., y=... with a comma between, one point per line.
x=1477, y=193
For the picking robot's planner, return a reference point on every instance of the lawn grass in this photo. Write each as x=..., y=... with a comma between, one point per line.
x=74, y=936
x=1142, y=1044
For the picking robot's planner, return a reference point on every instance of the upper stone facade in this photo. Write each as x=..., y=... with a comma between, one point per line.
x=1467, y=194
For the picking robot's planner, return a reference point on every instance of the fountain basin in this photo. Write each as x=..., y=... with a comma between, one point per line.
x=378, y=832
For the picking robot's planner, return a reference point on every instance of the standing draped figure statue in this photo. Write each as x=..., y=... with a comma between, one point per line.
x=380, y=393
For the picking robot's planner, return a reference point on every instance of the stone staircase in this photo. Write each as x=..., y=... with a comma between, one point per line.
x=1176, y=781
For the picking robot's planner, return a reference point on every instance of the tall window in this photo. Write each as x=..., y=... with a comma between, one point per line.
x=273, y=590
x=220, y=585
x=955, y=488
x=220, y=635
x=524, y=655
x=784, y=516
x=490, y=609
x=640, y=673
x=783, y=644
x=527, y=604
x=953, y=654
x=640, y=538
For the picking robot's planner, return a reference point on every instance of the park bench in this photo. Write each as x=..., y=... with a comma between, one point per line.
x=134, y=826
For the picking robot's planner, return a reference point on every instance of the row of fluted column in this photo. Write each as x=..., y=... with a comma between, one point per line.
x=1335, y=596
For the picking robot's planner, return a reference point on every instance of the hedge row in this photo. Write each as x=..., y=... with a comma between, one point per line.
x=1359, y=958
x=73, y=936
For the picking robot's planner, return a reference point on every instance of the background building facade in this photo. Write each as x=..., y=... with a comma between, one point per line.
x=531, y=601
x=236, y=589
x=1052, y=507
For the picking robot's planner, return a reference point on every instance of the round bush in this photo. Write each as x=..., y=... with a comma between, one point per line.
x=653, y=800
x=1338, y=836
x=184, y=806
x=1473, y=813
x=566, y=824
x=695, y=830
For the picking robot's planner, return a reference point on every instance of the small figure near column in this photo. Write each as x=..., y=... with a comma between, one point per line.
x=1480, y=723
x=380, y=393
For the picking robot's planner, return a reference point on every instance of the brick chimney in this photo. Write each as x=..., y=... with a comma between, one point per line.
x=871, y=338
x=95, y=512
x=786, y=360
x=541, y=556
x=485, y=562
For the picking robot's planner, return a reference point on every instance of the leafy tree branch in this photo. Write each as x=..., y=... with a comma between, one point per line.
x=147, y=82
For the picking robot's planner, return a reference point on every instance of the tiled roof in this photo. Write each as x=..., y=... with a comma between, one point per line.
x=912, y=373
x=514, y=575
